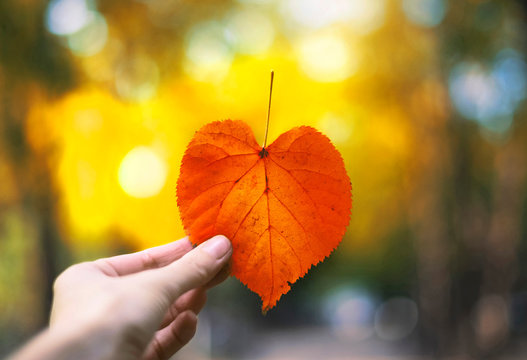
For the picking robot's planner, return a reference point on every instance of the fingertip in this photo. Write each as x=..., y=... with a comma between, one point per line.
x=185, y=326
x=221, y=276
x=195, y=269
x=184, y=242
x=172, y=338
x=218, y=246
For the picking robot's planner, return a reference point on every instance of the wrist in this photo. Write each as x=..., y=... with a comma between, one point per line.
x=91, y=341
x=64, y=343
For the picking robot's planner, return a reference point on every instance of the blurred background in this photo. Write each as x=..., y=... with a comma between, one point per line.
x=424, y=99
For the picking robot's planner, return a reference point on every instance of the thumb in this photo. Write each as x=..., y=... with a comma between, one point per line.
x=196, y=268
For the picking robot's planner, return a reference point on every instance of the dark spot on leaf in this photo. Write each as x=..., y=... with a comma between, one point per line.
x=263, y=153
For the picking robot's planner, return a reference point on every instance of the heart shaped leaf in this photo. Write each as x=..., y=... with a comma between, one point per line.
x=285, y=208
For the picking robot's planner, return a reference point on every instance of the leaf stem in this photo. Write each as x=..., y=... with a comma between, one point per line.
x=268, y=110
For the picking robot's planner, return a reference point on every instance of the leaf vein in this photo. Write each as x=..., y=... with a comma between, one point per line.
x=231, y=136
x=313, y=172
x=302, y=187
x=247, y=214
x=254, y=246
x=225, y=157
x=209, y=144
x=298, y=138
x=292, y=249
x=230, y=190
x=204, y=191
x=294, y=217
x=270, y=245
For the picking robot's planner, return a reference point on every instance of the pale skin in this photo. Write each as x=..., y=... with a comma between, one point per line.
x=135, y=306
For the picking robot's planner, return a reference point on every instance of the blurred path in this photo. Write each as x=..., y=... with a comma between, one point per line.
x=322, y=343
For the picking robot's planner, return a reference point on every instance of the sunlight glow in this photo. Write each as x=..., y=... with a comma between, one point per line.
x=362, y=16
x=510, y=71
x=65, y=17
x=208, y=57
x=427, y=13
x=90, y=39
x=137, y=79
x=336, y=128
x=86, y=176
x=477, y=95
x=396, y=318
x=365, y=16
x=349, y=311
x=142, y=173
x=491, y=320
x=250, y=31
x=315, y=13
x=327, y=58
x=87, y=121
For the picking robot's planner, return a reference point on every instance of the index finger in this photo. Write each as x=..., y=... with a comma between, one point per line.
x=151, y=258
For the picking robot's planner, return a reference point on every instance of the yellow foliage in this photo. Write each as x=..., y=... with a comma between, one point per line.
x=91, y=131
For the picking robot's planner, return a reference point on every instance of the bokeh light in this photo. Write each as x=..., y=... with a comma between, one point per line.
x=350, y=313
x=208, y=55
x=327, y=57
x=361, y=16
x=477, y=95
x=396, y=318
x=425, y=100
x=250, y=31
x=315, y=13
x=490, y=320
x=91, y=38
x=337, y=129
x=510, y=71
x=65, y=17
x=365, y=16
x=142, y=172
x=137, y=78
x=427, y=13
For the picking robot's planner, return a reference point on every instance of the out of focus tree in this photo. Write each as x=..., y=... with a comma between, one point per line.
x=424, y=99
x=31, y=61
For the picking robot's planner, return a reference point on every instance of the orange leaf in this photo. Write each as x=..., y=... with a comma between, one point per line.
x=284, y=208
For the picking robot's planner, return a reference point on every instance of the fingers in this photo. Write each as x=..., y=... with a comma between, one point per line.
x=194, y=269
x=193, y=300
x=147, y=259
x=170, y=339
x=220, y=277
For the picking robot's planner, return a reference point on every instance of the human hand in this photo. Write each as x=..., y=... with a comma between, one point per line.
x=133, y=306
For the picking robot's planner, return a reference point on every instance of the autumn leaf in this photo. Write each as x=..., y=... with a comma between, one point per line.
x=285, y=207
